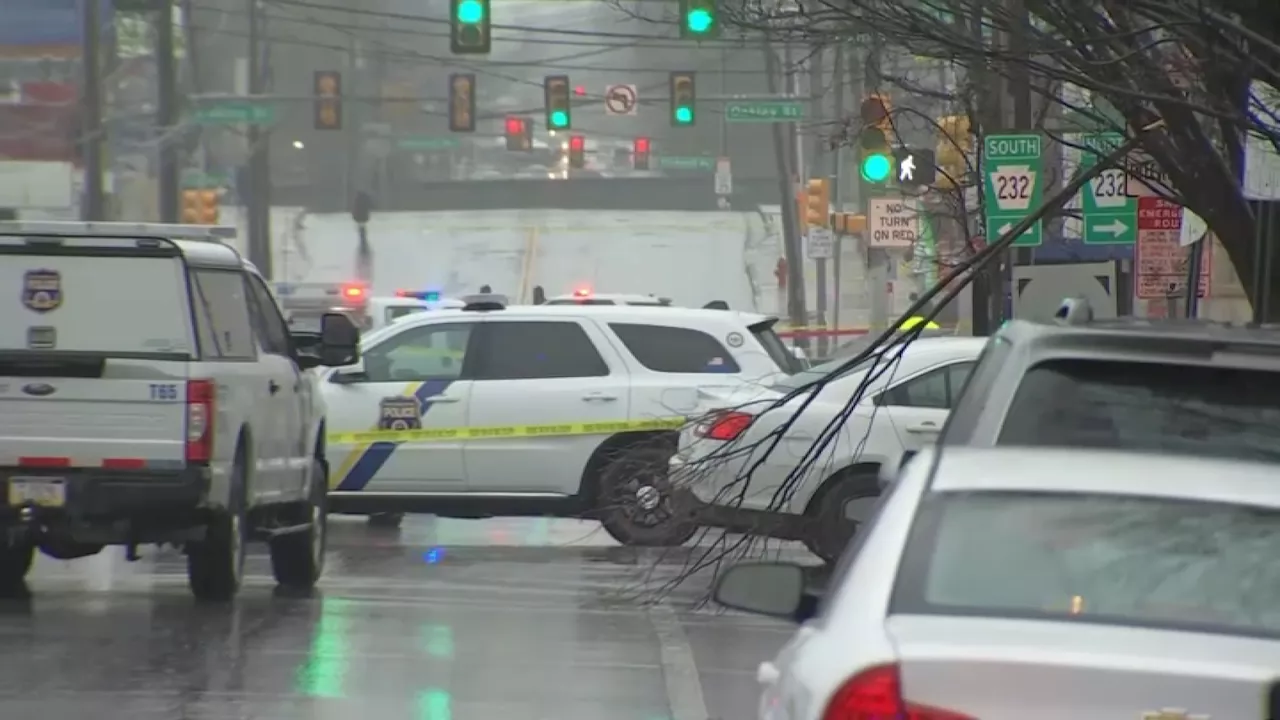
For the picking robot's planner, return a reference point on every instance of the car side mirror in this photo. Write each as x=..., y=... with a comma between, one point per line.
x=772, y=589
x=339, y=340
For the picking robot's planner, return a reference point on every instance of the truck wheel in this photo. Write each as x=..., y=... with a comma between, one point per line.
x=215, y=565
x=15, y=563
x=297, y=559
x=386, y=520
x=845, y=506
x=638, y=506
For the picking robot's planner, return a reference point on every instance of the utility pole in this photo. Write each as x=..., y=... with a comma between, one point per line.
x=93, y=203
x=988, y=102
x=791, y=250
x=1020, y=96
x=837, y=167
x=167, y=113
x=816, y=58
x=258, y=202
x=877, y=260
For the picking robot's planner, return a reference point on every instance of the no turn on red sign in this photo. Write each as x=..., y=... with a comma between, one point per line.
x=1160, y=260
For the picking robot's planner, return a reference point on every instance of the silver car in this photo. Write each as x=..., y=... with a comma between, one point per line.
x=1006, y=584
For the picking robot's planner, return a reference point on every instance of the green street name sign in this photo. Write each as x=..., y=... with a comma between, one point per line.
x=764, y=111
x=1013, y=184
x=686, y=162
x=428, y=143
x=232, y=113
x=1110, y=216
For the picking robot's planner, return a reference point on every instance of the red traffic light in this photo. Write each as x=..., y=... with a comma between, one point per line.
x=874, y=110
x=577, y=143
x=642, y=145
x=515, y=126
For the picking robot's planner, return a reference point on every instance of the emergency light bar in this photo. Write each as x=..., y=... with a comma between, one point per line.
x=425, y=295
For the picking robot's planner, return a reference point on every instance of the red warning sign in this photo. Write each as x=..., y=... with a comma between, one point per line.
x=1161, y=262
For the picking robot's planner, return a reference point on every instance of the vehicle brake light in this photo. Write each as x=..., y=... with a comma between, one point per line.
x=876, y=693
x=353, y=292
x=200, y=397
x=726, y=425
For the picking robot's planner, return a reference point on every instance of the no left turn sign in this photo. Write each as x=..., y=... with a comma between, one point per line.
x=620, y=100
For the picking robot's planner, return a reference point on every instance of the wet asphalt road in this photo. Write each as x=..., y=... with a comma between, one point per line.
x=441, y=620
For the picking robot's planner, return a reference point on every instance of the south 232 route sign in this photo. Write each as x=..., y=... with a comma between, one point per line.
x=620, y=99
x=1013, y=182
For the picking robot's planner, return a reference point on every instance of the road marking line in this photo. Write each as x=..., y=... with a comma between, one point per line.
x=679, y=670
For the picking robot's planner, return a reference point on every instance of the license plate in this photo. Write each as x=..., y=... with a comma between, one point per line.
x=45, y=492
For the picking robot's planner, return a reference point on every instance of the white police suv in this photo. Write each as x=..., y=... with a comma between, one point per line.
x=150, y=392
x=530, y=410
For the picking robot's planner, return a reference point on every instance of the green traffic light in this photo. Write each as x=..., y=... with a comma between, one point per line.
x=559, y=118
x=698, y=21
x=470, y=11
x=876, y=168
x=684, y=114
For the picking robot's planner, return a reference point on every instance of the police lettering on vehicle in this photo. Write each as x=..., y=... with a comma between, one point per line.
x=399, y=413
x=42, y=290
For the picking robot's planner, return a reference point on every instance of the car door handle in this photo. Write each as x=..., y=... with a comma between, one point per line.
x=441, y=399
x=273, y=387
x=924, y=427
x=598, y=397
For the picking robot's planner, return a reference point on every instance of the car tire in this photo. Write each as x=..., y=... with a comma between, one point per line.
x=386, y=520
x=638, y=505
x=832, y=529
x=297, y=559
x=215, y=565
x=15, y=563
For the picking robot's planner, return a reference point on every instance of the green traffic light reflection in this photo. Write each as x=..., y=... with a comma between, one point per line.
x=470, y=11
x=698, y=21
x=876, y=168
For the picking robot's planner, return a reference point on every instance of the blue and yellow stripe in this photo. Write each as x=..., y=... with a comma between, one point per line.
x=364, y=460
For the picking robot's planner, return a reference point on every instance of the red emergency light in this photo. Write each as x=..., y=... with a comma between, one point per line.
x=642, y=145
x=582, y=292
x=577, y=143
x=515, y=126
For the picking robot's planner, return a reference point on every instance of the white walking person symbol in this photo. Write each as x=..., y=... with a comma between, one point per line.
x=907, y=170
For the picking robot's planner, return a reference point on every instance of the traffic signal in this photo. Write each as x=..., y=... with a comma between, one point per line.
x=328, y=91
x=876, y=160
x=518, y=134
x=817, y=205
x=640, y=154
x=916, y=168
x=555, y=89
x=577, y=152
x=462, y=102
x=953, y=149
x=699, y=19
x=684, y=97
x=469, y=27
x=200, y=207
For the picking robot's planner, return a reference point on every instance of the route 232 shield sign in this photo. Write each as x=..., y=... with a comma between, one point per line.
x=42, y=290
x=398, y=413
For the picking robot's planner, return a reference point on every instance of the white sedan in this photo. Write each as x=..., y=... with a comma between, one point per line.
x=729, y=460
x=1014, y=583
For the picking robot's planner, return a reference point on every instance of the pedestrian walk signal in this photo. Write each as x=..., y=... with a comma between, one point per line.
x=915, y=167
x=683, y=99
x=200, y=207
x=462, y=102
x=698, y=19
x=328, y=92
x=469, y=30
x=556, y=93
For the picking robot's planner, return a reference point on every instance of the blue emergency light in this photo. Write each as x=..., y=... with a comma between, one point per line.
x=424, y=295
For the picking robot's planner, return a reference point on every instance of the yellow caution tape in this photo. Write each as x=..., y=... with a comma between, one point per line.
x=504, y=431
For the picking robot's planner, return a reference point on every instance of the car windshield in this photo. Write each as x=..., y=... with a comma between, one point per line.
x=1207, y=411
x=1106, y=559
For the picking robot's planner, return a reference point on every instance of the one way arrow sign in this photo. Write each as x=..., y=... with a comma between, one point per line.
x=1115, y=228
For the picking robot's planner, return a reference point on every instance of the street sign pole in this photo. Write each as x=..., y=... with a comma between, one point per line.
x=1110, y=216
x=1013, y=182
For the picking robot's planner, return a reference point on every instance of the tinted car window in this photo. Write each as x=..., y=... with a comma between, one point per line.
x=1103, y=559
x=221, y=307
x=1210, y=411
x=529, y=350
x=675, y=350
x=427, y=352
x=268, y=324
x=969, y=405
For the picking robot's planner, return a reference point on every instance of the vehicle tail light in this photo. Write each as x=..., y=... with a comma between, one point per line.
x=726, y=425
x=200, y=395
x=353, y=292
x=875, y=694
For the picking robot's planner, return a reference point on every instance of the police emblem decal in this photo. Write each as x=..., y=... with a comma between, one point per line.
x=399, y=413
x=42, y=290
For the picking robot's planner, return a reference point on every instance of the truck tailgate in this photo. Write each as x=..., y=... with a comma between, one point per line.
x=91, y=422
